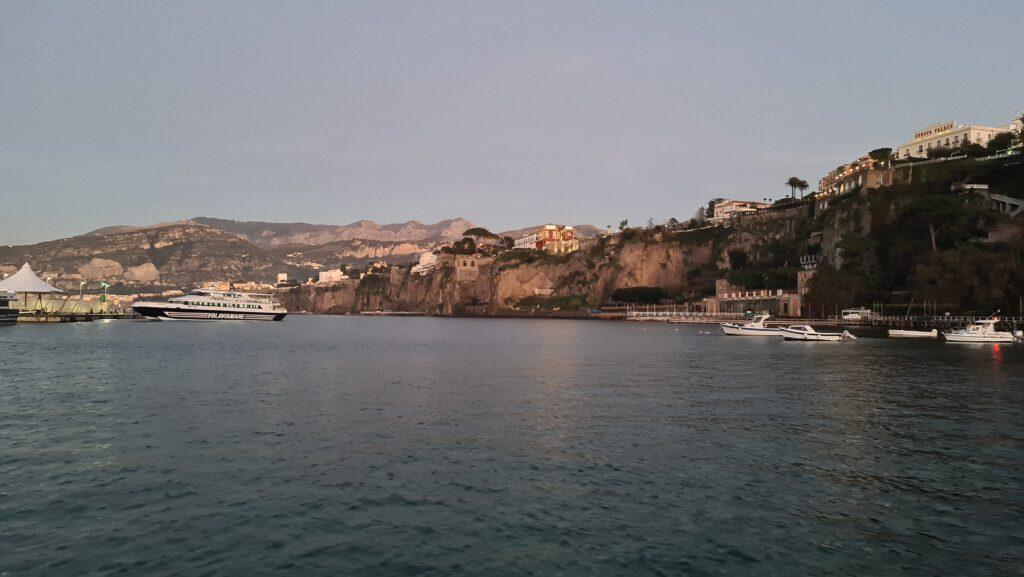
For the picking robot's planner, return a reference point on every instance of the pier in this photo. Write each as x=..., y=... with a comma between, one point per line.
x=676, y=314
x=49, y=317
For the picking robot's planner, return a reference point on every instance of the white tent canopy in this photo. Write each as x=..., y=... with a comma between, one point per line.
x=26, y=281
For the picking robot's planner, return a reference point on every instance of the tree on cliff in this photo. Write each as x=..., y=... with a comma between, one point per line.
x=940, y=152
x=972, y=149
x=479, y=232
x=880, y=154
x=738, y=258
x=831, y=290
x=968, y=278
x=623, y=225
x=639, y=295
x=465, y=246
x=795, y=184
x=956, y=216
x=1000, y=141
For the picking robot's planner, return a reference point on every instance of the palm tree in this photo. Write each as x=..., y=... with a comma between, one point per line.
x=802, y=186
x=793, y=183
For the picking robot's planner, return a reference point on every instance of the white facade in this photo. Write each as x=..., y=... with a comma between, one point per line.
x=329, y=276
x=427, y=263
x=950, y=135
x=726, y=209
x=528, y=241
x=282, y=277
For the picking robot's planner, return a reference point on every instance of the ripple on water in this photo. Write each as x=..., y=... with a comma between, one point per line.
x=473, y=447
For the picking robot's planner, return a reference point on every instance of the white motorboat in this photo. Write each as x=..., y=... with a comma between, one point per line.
x=214, y=305
x=755, y=328
x=983, y=331
x=807, y=333
x=8, y=314
x=906, y=334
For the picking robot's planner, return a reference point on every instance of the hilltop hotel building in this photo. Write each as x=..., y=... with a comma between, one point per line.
x=949, y=135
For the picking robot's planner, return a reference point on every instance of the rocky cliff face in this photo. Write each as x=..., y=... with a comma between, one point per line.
x=672, y=261
x=349, y=252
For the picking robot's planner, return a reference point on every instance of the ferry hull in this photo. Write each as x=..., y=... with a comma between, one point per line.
x=183, y=314
x=8, y=316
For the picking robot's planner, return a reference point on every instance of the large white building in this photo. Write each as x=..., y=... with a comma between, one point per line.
x=332, y=276
x=950, y=135
x=725, y=209
x=428, y=262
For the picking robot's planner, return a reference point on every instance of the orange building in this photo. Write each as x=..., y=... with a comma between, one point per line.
x=553, y=238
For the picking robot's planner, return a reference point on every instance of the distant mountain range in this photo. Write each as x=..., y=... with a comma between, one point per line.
x=273, y=234
x=184, y=253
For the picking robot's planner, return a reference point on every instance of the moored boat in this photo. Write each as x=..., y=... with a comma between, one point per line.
x=807, y=333
x=8, y=314
x=755, y=328
x=983, y=331
x=910, y=334
x=213, y=305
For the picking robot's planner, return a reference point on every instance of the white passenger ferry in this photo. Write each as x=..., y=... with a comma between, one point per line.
x=214, y=305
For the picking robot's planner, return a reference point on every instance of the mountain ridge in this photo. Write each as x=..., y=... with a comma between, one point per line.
x=273, y=234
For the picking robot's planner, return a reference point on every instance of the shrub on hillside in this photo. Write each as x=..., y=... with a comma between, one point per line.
x=639, y=295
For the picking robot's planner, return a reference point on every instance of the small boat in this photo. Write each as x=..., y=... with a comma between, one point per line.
x=214, y=305
x=8, y=314
x=755, y=328
x=983, y=331
x=807, y=333
x=905, y=334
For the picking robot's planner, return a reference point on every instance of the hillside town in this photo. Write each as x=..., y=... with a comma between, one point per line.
x=465, y=256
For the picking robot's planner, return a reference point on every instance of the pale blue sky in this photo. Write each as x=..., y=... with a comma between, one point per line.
x=506, y=113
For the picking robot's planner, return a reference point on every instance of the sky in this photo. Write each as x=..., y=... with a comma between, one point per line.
x=509, y=114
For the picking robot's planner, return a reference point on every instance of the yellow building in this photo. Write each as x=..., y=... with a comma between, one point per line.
x=865, y=173
x=950, y=135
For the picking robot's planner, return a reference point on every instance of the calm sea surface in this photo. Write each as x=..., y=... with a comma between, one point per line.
x=418, y=446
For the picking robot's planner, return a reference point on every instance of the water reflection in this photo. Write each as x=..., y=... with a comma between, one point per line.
x=369, y=446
